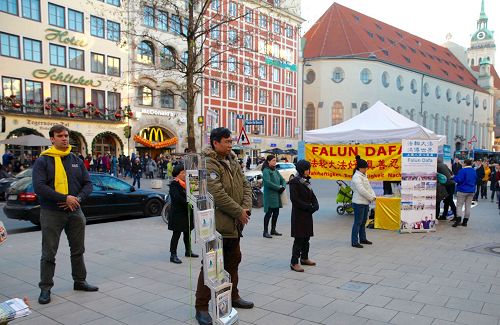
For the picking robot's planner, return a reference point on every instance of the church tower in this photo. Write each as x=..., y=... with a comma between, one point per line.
x=482, y=43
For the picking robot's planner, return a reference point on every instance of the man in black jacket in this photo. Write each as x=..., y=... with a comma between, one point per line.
x=61, y=182
x=480, y=175
x=456, y=166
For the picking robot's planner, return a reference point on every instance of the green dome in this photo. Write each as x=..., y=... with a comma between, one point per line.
x=482, y=35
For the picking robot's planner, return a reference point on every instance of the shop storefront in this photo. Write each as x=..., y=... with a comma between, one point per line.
x=155, y=141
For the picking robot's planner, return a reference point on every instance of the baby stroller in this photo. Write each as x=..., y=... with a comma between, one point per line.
x=344, y=197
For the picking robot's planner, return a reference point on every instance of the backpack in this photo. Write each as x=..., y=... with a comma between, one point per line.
x=441, y=179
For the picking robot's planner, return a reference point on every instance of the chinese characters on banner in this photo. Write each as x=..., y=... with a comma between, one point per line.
x=338, y=161
x=418, y=185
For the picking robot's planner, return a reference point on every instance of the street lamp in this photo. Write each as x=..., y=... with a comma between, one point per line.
x=201, y=120
x=304, y=64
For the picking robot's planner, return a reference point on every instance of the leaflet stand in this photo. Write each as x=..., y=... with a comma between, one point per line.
x=216, y=278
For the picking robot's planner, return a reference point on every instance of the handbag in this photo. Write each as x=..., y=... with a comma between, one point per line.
x=284, y=198
x=3, y=233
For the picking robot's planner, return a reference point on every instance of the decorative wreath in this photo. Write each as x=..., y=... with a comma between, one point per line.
x=157, y=145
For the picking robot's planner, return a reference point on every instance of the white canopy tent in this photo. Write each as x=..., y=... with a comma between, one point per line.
x=378, y=124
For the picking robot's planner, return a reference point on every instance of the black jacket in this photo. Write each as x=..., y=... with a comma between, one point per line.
x=480, y=175
x=456, y=168
x=137, y=169
x=181, y=217
x=304, y=204
x=79, y=183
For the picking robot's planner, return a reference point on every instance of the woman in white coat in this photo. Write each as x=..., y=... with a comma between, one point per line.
x=362, y=196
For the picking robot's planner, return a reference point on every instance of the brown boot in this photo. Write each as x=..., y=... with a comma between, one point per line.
x=296, y=268
x=307, y=262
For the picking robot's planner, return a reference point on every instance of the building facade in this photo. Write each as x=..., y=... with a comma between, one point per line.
x=251, y=80
x=370, y=60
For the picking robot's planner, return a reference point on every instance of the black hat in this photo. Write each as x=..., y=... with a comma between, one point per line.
x=360, y=163
x=302, y=166
x=177, y=170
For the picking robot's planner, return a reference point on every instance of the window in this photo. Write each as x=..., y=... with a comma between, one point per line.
x=289, y=31
x=288, y=101
x=364, y=107
x=262, y=97
x=145, y=96
x=438, y=92
x=476, y=101
x=185, y=56
x=114, y=68
x=232, y=36
x=175, y=24
x=145, y=53
x=276, y=99
x=337, y=113
x=485, y=104
x=183, y=101
x=262, y=21
x=113, y=31
x=276, y=27
x=413, y=86
x=231, y=121
x=248, y=15
x=96, y=26
x=248, y=94
x=32, y=50
x=215, y=32
x=31, y=9
x=97, y=63
x=98, y=98
x=77, y=96
x=215, y=5
x=9, y=45
x=167, y=57
x=59, y=93
x=231, y=91
x=310, y=77
x=56, y=15
x=458, y=97
x=114, y=184
x=75, y=20
x=11, y=87
x=57, y=55
x=385, y=79
x=76, y=59
x=231, y=64
x=262, y=71
x=247, y=68
x=467, y=100
x=162, y=20
x=262, y=128
x=9, y=6
x=167, y=99
x=215, y=88
x=215, y=60
x=113, y=2
x=366, y=76
x=233, y=9
x=276, y=125
x=289, y=77
x=276, y=74
x=34, y=92
x=338, y=75
x=400, y=83
x=248, y=117
x=149, y=16
x=426, y=89
x=288, y=127
x=448, y=95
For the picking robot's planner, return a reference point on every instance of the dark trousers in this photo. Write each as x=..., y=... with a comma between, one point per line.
x=232, y=259
x=137, y=179
x=175, y=240
x=484, y=190
x=358, y=226
x=478, y=191
x=448, y=202
x=300, y=249
x=274, y=212
x=52, y=224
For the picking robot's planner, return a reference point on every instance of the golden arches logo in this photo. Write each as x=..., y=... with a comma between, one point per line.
x=153, y=134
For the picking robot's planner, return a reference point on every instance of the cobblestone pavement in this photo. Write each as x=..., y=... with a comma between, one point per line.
x=445, y=277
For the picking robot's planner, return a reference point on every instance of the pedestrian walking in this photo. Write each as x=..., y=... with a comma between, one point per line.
x=363, y=195
x=493, y=183
x=233, y=201
x=304, y=204
x=61, y=183
x=151, y=167
x=180, y=219
x=114, y=166
x=466, y=186
x=485, y=180
x=479, y=179
x=274, y=185
x=137, y=172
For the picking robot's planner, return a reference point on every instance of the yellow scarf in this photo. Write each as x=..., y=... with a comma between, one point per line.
x=60, y=179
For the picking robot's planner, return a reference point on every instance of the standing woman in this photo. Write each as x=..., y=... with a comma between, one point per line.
x=181, y=215
x=137, y=172
x=304, y=204
x=362, y=196
x=274, y=185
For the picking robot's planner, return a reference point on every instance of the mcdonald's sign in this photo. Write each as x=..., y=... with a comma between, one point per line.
x=154, y=134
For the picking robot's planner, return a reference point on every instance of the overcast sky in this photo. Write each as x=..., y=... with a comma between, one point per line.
x=429, y=19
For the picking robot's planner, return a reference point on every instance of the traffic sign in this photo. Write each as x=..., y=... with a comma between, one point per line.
x=473, y=139
x=243, y=137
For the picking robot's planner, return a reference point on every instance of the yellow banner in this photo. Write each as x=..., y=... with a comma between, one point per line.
x=339, y=161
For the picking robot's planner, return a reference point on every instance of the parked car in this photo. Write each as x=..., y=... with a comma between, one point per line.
x=254, y=177
x=287, y=170
x=111, y=197
x=6, y=182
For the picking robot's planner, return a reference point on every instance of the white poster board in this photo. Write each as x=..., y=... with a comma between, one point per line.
x=418, y=185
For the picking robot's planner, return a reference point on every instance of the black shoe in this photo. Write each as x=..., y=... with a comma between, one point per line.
x=366, y=242
x=266, y=235
x=357, y=245
x=275, y=233
x=175, y=259
x=203, y=317
x=191, y=254
x=441, y=218
x=457, y=222
x=243, y=304
x=84, y=286
x=464, y=223
x=44, y=297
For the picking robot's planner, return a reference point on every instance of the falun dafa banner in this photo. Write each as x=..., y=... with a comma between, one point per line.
x=337, y=162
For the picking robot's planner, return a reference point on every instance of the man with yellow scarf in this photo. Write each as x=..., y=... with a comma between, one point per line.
x=61, y=183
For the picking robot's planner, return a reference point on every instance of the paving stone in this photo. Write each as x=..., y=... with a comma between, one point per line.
x=403, y=318
x=344, y=306
x=469, y=318
x=491, y=309
x=313, y=314
x=344, y=319
x=314, y=300
x=274, y=318
x=411, y=307
x=283, y=306
x=376, y=313
x=251, y=315
x=144, y=318
x=79, y=317
x=431, y=299
x=373, y=300
x=439, y=312
x=465, y=304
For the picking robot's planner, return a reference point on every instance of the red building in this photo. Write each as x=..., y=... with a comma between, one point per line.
x=252, y=75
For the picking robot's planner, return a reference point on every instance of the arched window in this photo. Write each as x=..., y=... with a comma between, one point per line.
x=386, y=79
x=145, y=96
x=364, y=107
x=167, y=57
x=424, y=119
x=185, y=57
x=471, y=62
x=337, y=113
x=310, y=117
x=413, y=86
x=436, y=123
x=146, y=52
x=167, y=99
x=366, y=76
x=338, y=75
x=183, y=101
x=400, y=83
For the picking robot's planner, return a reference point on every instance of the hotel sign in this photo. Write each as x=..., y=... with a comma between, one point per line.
x=62, y=37
x=53, y=75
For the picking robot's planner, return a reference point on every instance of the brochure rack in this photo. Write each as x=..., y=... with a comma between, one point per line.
x=216, y=278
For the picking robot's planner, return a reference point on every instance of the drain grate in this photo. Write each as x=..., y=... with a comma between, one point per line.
x=490, y=249
x=355, y=286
